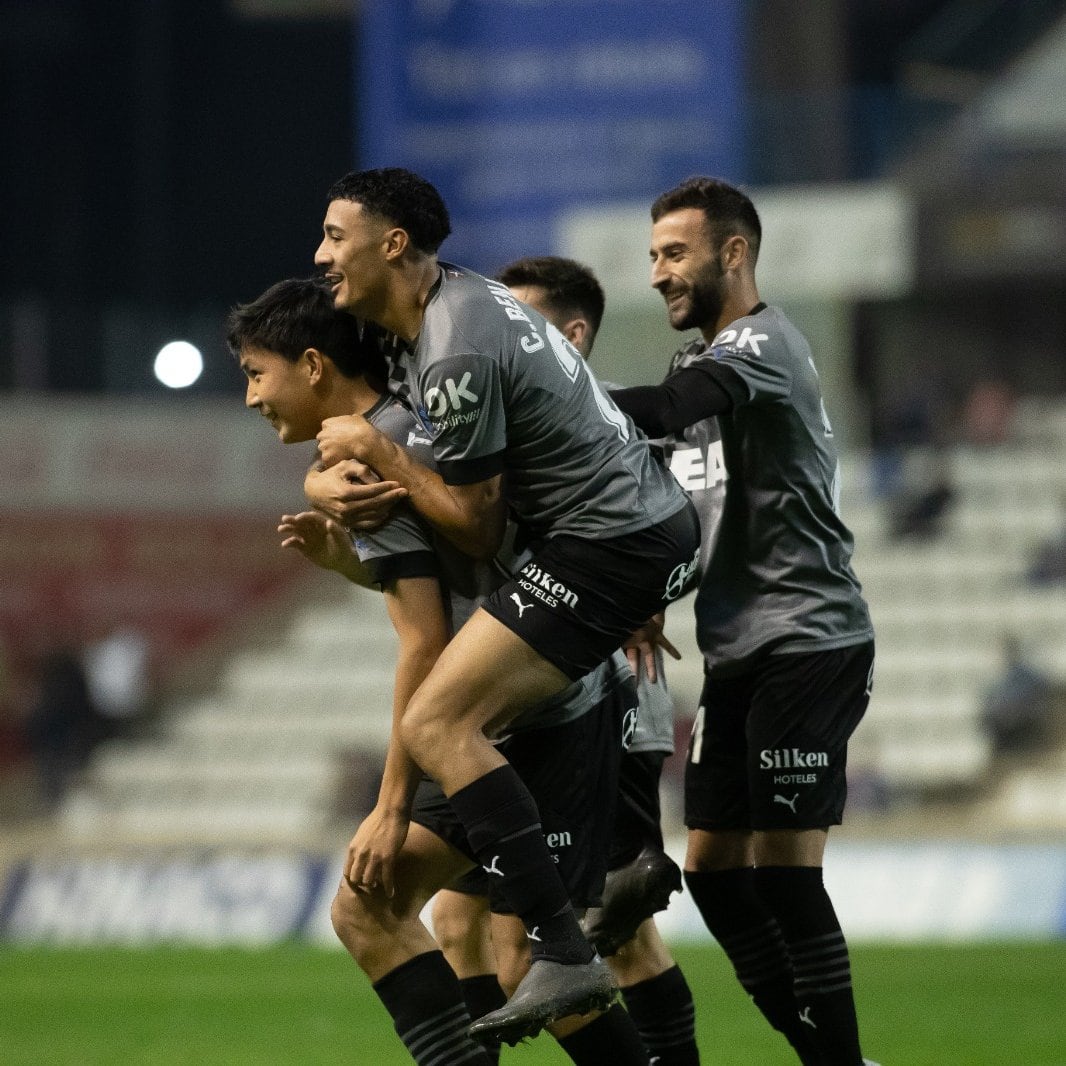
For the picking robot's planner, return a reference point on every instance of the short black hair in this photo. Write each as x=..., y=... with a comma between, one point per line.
x=568, y=285
x=401, y=197
x=726, y=208
x=297, y=314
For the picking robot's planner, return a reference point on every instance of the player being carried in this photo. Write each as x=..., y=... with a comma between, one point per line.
x=305, y=361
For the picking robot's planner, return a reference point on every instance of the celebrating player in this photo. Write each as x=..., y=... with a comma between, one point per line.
x=516, y=421
x=781, y=621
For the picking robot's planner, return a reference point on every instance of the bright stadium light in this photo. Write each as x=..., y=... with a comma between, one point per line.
x=178, y=364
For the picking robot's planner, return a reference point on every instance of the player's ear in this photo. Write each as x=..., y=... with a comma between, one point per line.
x=735, y=251
x=314, y=361
x=576, y=331
x=396, y=242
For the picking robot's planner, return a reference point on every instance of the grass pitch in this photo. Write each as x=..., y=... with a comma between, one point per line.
x=972, y=1005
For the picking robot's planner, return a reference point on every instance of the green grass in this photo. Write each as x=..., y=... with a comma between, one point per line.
x=974, y=1005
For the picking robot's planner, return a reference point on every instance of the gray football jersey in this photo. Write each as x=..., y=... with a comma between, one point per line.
x=776, y=566
x=502, y=391
x=464, y=581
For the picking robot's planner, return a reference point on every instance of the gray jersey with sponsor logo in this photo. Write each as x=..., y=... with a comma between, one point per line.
x=502, y=391
x=777, y=569
x=465, y=582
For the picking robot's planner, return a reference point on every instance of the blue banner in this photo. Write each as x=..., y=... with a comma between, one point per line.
x=518, y=110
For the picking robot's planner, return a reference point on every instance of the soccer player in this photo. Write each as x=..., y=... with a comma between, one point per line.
x=640, y=875
x=305, y=361
x=781, y=621
x=517, y=423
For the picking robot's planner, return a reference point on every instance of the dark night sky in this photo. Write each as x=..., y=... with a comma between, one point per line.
x=162, y=152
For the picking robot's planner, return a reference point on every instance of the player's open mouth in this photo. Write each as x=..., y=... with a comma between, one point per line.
x=334, y=281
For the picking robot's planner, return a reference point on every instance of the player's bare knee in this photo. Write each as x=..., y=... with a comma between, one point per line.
x=427, y=733
x=347, y=914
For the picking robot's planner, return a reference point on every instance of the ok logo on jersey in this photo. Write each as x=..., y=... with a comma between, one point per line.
x=452, y=397
x=745, y=338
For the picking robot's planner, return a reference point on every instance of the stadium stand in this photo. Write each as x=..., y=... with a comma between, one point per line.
x=262, y=753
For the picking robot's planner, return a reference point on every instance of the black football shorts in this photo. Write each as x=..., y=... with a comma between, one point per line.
x=769, y=746
x=577, y=599
x=638, y=815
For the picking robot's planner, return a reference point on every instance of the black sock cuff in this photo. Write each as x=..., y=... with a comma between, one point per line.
x=495, y=806
x=612, y=1035
x=482, y=993
x=789, y=886
x=790, y=875
x=727, y=899
x=729, y=881
x=670, y=985
x=419, y=987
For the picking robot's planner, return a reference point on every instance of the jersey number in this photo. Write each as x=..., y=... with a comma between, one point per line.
x=695, y=746
x=572, y=364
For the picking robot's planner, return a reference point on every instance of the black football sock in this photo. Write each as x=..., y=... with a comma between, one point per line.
x=748, y=933
x=503, y=827
x=429, y=1014
x=483, y=994
x=612, y=1037
x=665, y=1016
x=820, y=962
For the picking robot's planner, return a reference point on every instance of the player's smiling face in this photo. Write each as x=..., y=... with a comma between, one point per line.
x=686, y=268
x=282, y=392
x=352, y=255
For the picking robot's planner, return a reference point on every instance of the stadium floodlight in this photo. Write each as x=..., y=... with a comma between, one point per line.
x=178, y=364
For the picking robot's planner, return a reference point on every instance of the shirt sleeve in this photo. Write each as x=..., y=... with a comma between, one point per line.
x=402, y=547
x=760, y=360
x=686, y=397
x=463, y=398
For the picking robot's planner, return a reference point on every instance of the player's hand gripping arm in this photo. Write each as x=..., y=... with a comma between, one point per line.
x=471, y=516
x=352, y=494
x=416, y=609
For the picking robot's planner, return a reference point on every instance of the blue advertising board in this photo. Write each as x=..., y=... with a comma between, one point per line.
x=518, y=110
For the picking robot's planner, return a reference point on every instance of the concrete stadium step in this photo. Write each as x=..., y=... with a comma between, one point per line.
x=149, y=766
x=280, y=731
x=279, y=681
x=199, y=821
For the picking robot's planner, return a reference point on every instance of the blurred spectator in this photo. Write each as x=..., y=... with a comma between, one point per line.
x=1049, y=563
x=919, y=509
x=913, y=421
x=1017, y=707
x=988, y=413
x=63, y=725
x=118, y=673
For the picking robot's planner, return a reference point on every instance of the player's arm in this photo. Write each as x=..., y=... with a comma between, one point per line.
x=416, y=609
x=686, y=397
x=325, y=543
x=352, y=494
x=472, y=515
